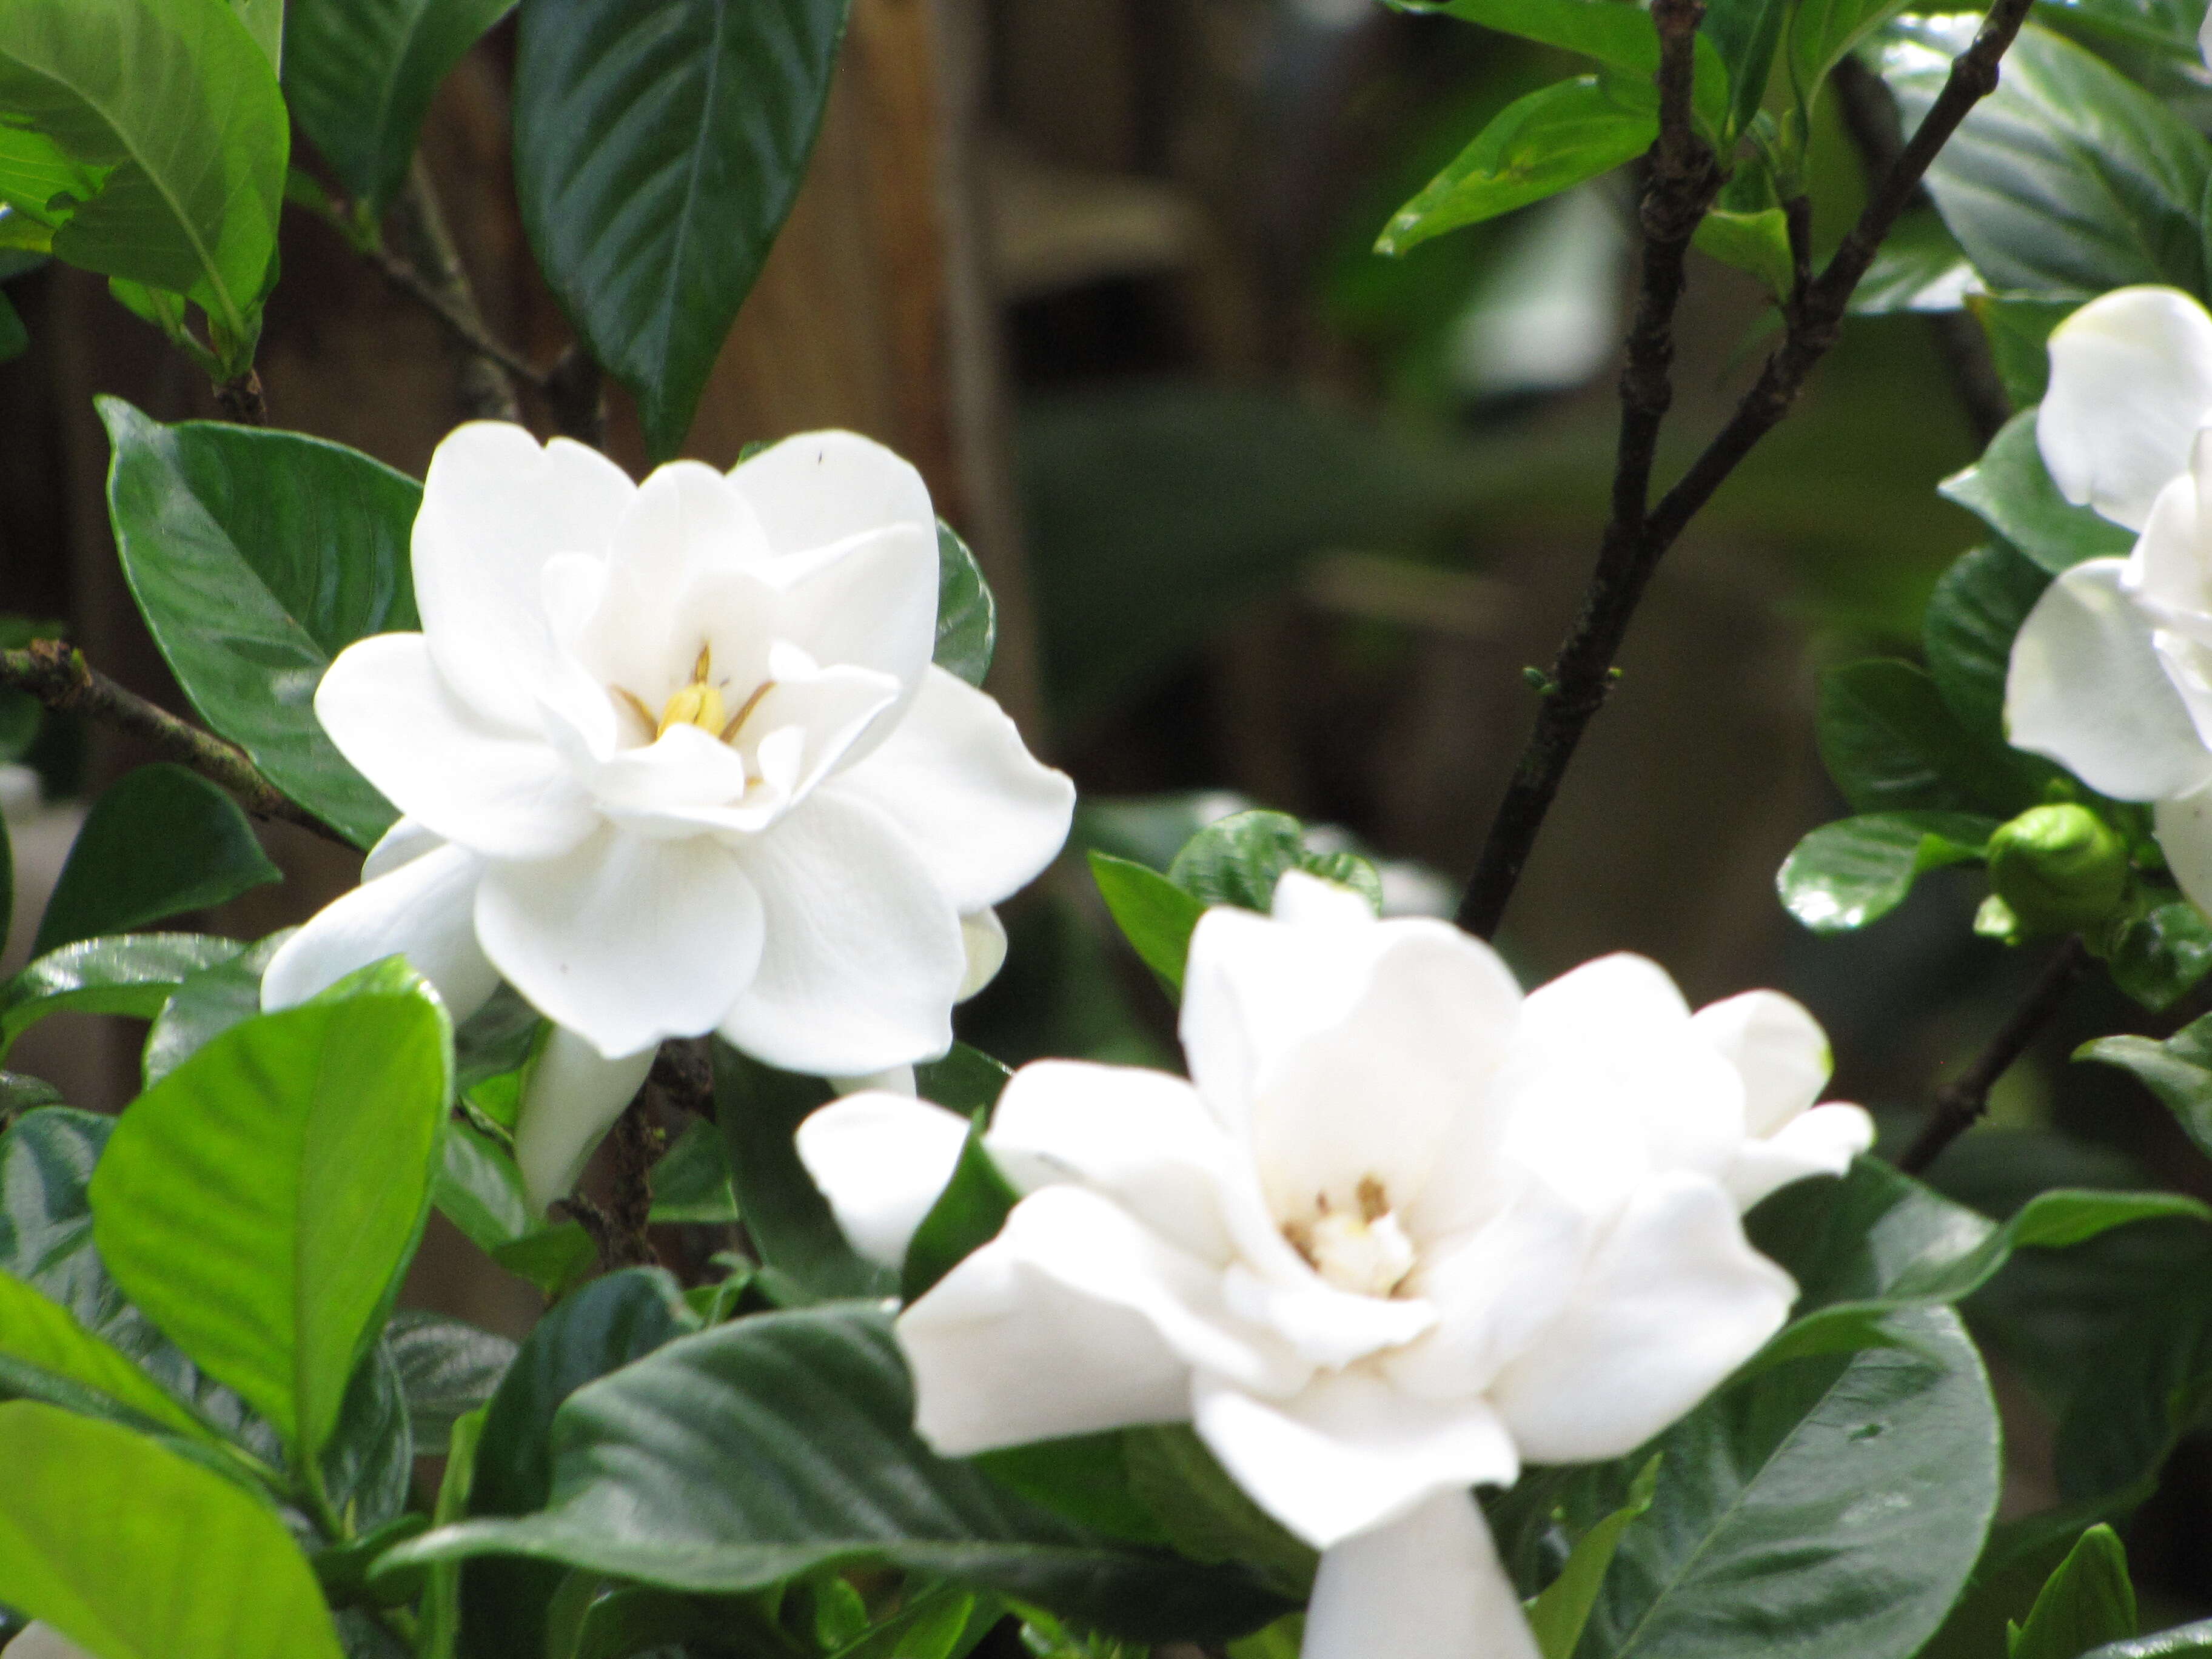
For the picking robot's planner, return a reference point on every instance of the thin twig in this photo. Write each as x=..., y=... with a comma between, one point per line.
x=440, y=282
x=1583, y=672
x=241, y=400
x=1966, y=1097
x=60, y=678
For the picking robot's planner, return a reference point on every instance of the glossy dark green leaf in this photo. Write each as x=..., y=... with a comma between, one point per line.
x=759, y=1109
x=369, y=1463
x=2087, y=1603
x=658, y=145
x=208, y=1572
x=2066, y=181
x=603, y=1326
x=967, y=1080
x=1746, y=33
x=555, y=1259
x=691, y=1181
x=134, y=975
x=1239, y=859
x=1967, y=631
x=1536, y=147
x=1615, y=36
x=762, y=1449
x=2179, y=1071
x=967, y=615
x=447, y=1368
x=1154, y=914
x=1921, y=267
x=160, y=841
x=2158, y=956
x=1558, y=1615
x=1854, y=871
x=171, y=108
x=499, y=1037
x=2182, y=1642
x=19, y=1093
x=1822, y=31
x=1892, y=745
x=1085, y=1477
x=205, y=1004
x=257, y=556
x=293, y=1153
x=2011, y=491
x=1207, y=1515
x=2018, y=328
x=967, y=1215
x=360, y=74
x=479, y=1188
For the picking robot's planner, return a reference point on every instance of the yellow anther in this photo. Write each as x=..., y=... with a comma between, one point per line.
x=736, y=722
x=699, y=703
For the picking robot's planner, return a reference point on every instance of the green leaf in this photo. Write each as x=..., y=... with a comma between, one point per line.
x=162, y=841
x=1557, y=1616
x=206, y=1004
x=967, y=1215
x=2018, y=332
x=265, y=22
x=759, y=1109
x=134, y=1553
x=1537, y=146
x=1854, y=871
x=2182, y=1642
x=603, y=1326
x=257, y=556
x=1892, y=745
x=1239, y=859
x=173, y=107
x=2010, y=491
x=2067, y=180
x=967, y=1080
x=261, y=1201
x=1757, y=242
x=1822, y=31
x=1207, y=1515
x=479, y=1188
x=1921, y=267
x=447, y=1368
x=2087, y=1603
x=691, y=1181
x=1746, y=33
x=1084, y=1477
x=14, y=339
x=43, y=1334
x=1620, y=37
x=658, y=145
x=1154, y=914
x=133, y=976
x=2179, y=1071
x=360, y=76
x=2151, y=1385
x=967, y=615
x=2158, y=956
x=1967, y=631
x=765, y=1448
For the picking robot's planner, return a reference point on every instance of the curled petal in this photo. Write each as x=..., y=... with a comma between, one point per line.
x=881, y=1160
x=983, y=941
x=1823, y=1141
x=570, y=1099
x=869, y=601
x=423, y=909
x=2087, y=687
x=1428, y=1582
x=1778, y=1049
x=2130, y=383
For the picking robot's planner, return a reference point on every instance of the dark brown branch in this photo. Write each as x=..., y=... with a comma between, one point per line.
x=241, y=400
x=438, y=280
x=60, y=678
x=1583, y=672
x=1961, y=1101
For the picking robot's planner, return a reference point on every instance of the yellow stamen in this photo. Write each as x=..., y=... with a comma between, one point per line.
x=738, y=721
x=698, y=704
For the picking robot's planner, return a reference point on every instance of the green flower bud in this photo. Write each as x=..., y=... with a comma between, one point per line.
x=2058, y=868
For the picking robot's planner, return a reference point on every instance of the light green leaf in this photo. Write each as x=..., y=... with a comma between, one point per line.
x=360, y=76
x=38, y=1333
x=1620, y=36
x=261, y=1201
x=205, y=1004
x=1854, y=871
x=2019, y=328
x=1757, y=242
x=256, y=557
x=265, y=22
x=2087, y=1603
x=2156, y=956
x=1746, y=33
x=134, y=1553
x=2010, y=491
x=967, y=615
x=1822, y=31
x=1557, y=1616
x=1154, y=914
x=658, y=145
x=133, y=976
x=1537, y=146
x=691, y=1181
x=2179, y=1071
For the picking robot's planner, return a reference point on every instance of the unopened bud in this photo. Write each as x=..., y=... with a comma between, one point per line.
x=2059, y=868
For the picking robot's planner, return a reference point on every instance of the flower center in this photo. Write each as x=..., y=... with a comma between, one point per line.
x=1364, y=1251
x=698, y=702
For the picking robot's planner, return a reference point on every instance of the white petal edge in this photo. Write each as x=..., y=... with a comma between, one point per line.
x=2087, y=689
x=881, y=1160
x=424, y=910
x=2184, y=828
x=1778, y=1048
x=821, y=487
x=570, y=1099
x=984, y=946
x=1427, y=1586
x=40, y=1640
x=1823, y=1141
x=2130, y=383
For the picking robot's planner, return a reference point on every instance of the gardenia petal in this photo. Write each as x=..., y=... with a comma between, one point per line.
x=868, y=601
x=2085, y=687
x=1672, y=1301
x=2130, y=383
x=1777, y=1047
x=570, y=1098
x=882, y=1161
x=421, y=909
x=983, y=948
x=1428, y=1584
x=985, y=815
x=863, y=954
x=2184, y=828
x=821, y=487
x=625, y=940
x=1823, y=1141
x=496, y=507
x=1349, y=1452
x=40, y=1640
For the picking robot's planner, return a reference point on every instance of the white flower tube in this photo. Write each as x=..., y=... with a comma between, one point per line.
x=1403, y=1228
x=674, y=759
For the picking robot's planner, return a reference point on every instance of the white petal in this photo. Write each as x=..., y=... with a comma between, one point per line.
x=405, y=842
x=1321, y=1324
x=1777, y=1047
x=1074, y=1319
x=983, y=944
x=626, y=940
x=683, y=768
x=685, y=520
x=2167, y=566
x=2131, y=382
x=1141, y=1138
x=496, y=507
x=40, y=1640
x=869, y=601
x=1823, y=1141
x=863, y=955
x=493, y=791
x=2204, y=39
x=1307, y=900
x=821, y=487
x=1427, y=1586
x=1349, y=1451
x=830, y=707
x=890, y=1080
x=1672, y=1301
x=985, y=815
x=2086, y=687
x=2184, y=829
x=570, y=1099
x=882, y=1160
x=425, y=910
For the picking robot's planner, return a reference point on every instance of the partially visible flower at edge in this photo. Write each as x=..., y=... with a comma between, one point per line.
x=1403, y=1229
x=673, y=759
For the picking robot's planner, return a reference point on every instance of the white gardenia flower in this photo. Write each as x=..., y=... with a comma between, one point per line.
x=2112, y=673
x=40, y=1640
x=1403, y=1229
x=673, y=759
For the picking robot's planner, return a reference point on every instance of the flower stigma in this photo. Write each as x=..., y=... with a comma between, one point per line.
x=698, y=702
x=1364, y=1251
